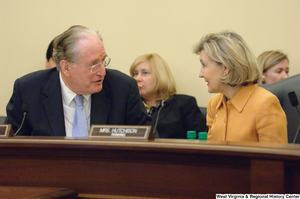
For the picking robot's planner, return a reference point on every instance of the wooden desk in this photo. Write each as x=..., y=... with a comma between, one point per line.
x=36, y=193
x=163, y=168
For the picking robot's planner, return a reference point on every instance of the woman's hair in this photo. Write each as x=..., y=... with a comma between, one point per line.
x=164, y=83
x=65, y=45
x=268, y=59
x=229, y=49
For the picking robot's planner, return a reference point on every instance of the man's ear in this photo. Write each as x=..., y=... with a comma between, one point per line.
x=65, y=67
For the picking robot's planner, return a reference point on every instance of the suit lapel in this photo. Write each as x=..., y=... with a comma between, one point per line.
x=53, y=105
x=100, y=106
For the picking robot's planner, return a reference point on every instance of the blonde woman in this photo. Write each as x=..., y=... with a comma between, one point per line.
x=174, y=114
x=274, y=65
x=241, y=111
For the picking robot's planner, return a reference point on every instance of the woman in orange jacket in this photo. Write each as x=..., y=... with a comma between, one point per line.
x=241, y=111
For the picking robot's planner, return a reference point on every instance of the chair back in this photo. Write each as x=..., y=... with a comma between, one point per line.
x=281, y=89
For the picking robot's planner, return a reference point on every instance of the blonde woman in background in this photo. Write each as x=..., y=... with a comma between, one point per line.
x=274, y=65
x=176, y=114
x=241, y=111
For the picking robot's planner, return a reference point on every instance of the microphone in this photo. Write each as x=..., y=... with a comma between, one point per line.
x=167, y=102
x=294, y=102
x=25, y=108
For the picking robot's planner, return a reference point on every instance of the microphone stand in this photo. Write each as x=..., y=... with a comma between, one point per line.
x=25, y=108
x=297, y=132
x=156, y=121
x=24, y=115
x=296, y=136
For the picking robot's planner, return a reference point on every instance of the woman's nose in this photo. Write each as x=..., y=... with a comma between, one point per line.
x=201, y=74
x=285, y=75
x=137, y=77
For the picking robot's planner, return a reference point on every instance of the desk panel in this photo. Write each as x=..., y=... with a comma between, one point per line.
x=163, y=168
x=8, y=192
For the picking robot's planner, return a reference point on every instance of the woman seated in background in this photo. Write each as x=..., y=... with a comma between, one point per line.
x=275, y=66
x=174, y=114
x=241, y=111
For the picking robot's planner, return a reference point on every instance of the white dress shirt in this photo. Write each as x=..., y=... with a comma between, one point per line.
x=69, y=107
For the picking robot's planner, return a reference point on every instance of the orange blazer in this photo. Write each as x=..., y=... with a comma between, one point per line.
x=253, y=114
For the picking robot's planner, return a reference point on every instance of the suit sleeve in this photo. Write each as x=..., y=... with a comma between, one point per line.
x=14, y=110
x=136, y=112
x=271, y=121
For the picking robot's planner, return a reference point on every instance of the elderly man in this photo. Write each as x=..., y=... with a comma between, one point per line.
x=66, y=100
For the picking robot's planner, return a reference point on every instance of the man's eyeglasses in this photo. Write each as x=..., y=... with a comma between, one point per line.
x=95, y=68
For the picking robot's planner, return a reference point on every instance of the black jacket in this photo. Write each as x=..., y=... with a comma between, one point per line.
x=179, y=114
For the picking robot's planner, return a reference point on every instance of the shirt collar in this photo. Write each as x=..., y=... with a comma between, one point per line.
x=241, y=98
x=150, y=109
x=69, y=95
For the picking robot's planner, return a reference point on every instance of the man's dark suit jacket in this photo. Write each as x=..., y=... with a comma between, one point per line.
x=118, y=103
x=179, y=115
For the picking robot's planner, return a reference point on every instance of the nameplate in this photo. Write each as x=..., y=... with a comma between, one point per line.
x=6, y=131
x=121, y=132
